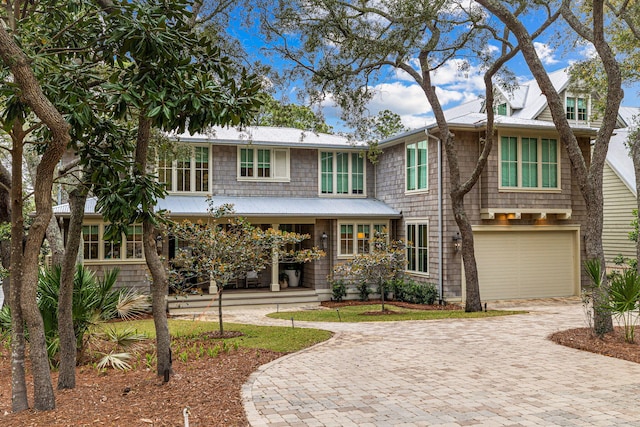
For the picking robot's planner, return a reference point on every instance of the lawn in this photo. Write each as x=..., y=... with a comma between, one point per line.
x=280, y=339
x=373, y=313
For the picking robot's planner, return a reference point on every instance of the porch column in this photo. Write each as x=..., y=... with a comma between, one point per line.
x=275, y=285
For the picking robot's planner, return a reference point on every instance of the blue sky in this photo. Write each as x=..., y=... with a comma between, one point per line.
x=399, y=93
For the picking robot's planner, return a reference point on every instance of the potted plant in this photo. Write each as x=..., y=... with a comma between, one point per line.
x=283, y=280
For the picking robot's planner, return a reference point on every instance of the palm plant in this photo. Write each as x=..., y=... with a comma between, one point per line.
x=94, y=301
x=624, y=300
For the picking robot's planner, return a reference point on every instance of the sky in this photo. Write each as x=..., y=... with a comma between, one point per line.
x=398, y=92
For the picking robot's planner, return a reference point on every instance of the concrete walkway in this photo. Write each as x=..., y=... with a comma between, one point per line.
x=489, y=372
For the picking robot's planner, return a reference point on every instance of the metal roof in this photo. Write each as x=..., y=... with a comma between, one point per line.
x=266, y=135
x=311, y=207
x=619, y=160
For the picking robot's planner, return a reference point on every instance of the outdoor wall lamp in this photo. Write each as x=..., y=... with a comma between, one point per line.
x=324, y=240
x=457, y=241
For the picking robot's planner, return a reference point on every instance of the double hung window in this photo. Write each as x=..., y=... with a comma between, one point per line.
x=354, y=237
x=417, y=166
x=418, y=247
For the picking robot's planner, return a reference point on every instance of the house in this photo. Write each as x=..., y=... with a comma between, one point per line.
x=527, y=211
x=619, y=193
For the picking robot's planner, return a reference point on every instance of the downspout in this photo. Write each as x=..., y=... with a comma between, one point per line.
x=440, y=219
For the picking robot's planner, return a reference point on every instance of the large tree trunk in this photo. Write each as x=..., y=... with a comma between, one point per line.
x=31, y=93
x=68, y=343
x=159, y=283
x=589, y=178
x=19, y=401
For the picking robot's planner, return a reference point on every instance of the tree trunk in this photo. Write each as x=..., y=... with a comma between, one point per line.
x=68, y=342
x=221, y=327
x=56, y=242
x=31, y=94
x=589, y=178
x=160, y=283
x=5, y=217
x=19, y=401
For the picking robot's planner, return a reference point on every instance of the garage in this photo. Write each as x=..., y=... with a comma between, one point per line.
x=527, y=262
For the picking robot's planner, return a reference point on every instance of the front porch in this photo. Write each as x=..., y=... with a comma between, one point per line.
x=241, y=298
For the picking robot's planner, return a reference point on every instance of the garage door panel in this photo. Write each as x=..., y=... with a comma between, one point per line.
x=525, y=264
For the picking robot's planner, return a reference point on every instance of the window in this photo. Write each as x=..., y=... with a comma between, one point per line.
x=188, y=172
x=134, y=242
x=577, y=109
x=354, y=237
x=418, y=247
x=527, y=162
x=502, y=109
x=341, y=173
x=90, y=235
x=263, y=164
x=417, y=157
x=95, y=247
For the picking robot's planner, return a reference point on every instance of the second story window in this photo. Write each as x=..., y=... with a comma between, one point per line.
x=341, y=173
x=527, y=162
x=263, y=164
x=187, y=172
x=417, y=166
x=502, y=109
x=577, y=109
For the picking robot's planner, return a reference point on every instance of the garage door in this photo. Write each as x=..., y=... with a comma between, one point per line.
x=526, y=264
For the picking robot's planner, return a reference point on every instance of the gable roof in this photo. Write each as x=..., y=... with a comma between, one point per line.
x=619, y=160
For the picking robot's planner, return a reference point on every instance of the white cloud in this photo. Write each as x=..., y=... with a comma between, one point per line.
x=545, y=53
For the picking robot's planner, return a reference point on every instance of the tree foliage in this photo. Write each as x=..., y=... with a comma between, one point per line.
x=384, y=262
x=227, y=247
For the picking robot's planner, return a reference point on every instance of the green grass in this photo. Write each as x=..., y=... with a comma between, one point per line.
x=281, y=339
x=355, y=314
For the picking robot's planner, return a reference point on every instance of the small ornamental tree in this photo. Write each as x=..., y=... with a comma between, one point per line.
x=226, y=247
x=384, y=262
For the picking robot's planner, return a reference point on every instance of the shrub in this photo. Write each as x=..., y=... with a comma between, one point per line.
x=407, y=290
x=338, y=290
x=363, y=291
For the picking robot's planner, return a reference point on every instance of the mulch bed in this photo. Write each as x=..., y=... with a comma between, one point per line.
x=335, y=304
x=611, y=344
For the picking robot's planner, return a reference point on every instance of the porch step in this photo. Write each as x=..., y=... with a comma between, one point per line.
x=196, y=304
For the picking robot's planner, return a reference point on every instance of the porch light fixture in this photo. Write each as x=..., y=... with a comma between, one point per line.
x=457, y=241
x=324, y=240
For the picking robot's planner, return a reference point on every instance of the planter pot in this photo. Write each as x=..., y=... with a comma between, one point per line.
x=294, y=277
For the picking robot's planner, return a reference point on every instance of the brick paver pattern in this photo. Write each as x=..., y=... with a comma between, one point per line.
x=462, y=372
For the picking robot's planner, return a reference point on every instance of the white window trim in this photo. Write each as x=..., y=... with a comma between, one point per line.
x=519, y=188
x=272, y=157
x=418, y=221
x=334, y=174
x=355, y=224
x=419, y=190
x=575, y=120
x=123, y=248
x=192, y=168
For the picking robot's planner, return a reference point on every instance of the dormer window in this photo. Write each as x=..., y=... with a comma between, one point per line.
x=577, y=109
x=502, y=109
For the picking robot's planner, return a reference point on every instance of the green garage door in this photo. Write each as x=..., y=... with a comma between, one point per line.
x=527, y=264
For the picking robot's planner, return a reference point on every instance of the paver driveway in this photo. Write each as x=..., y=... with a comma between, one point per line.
x=491, y=372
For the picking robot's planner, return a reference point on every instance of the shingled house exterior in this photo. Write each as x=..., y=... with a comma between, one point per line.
x=527, y=211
